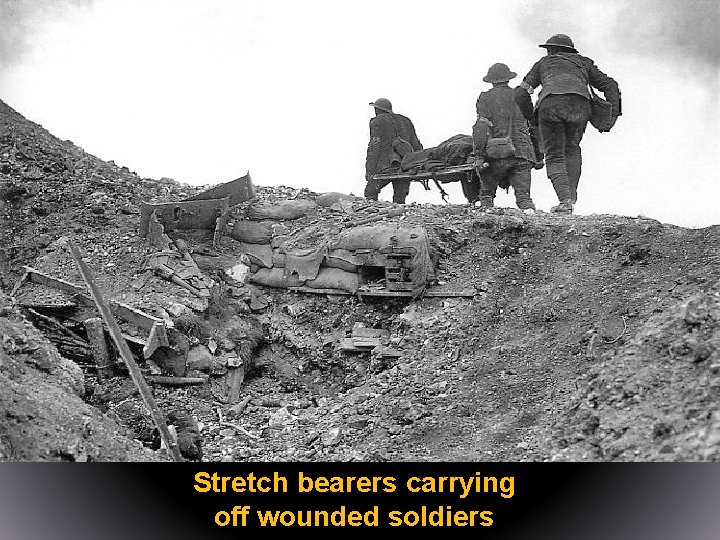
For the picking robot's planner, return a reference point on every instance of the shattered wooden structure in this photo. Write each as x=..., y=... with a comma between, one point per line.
x=62, y=305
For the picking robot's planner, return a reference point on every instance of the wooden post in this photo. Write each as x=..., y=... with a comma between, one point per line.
x=100, y=350
x=126, y=354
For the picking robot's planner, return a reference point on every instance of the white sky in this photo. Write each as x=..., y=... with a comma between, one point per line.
x=203, y=91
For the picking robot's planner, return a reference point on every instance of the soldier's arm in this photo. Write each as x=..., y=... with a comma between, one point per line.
x=373, y=150
x=481, y=129
x=415, y=142
x=608, y=86
x=532, y=80
x=525, y=104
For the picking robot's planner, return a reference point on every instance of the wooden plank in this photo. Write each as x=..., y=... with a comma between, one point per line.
x=125, y=312
x=36, y=276
x=384, y=293
x=126, y=355
x=134, y=316
x=446, y=293
x=346, y=344
x=57, y=325
x=99, y=346
x=158, y=337
x=176, y=381
x=319, y=291
x=19, y=284
x=361, y=331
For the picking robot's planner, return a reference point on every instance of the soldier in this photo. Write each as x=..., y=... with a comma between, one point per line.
x=563, y=110
x=392, y=136
x=499, y=116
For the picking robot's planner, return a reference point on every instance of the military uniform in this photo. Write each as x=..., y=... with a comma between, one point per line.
x=392, y=136
x=494, y=110
x=562, y=110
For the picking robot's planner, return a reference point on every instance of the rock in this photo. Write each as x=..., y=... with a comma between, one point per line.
x=227, y=344
x=178, y=310
x=331, y=437
x=199, y=358
x=238, y=274
x=218, y=366
x=281, y=418
x=298, y=308
x=188, y=434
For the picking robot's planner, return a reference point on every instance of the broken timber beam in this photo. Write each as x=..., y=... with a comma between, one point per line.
x=99, y=345
x=126, y=355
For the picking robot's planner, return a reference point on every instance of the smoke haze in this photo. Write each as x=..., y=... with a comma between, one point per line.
x=22, y=19
x=203, y=91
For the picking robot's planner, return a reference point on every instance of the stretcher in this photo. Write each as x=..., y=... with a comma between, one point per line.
x=466, y=174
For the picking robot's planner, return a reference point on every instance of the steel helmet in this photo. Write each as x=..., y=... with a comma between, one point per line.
x=383, y=104
x=499, y=73
x=559, y=40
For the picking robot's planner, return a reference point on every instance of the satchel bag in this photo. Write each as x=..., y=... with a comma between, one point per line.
x=601, y=111
x=500, y=148
x=503, y=147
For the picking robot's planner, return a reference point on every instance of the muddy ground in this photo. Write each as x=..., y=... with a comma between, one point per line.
x=588, y=338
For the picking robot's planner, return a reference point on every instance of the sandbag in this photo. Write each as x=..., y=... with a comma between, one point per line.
x=326, y=200
x=280, y=210
x=334, y=278
x=253, y=232
x=278, y=260
x=342, y=259
x=305, y=263
x=258, y=254
x=379, y=236
x=275, y=277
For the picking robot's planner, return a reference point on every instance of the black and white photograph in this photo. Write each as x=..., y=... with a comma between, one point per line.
x=378, y=231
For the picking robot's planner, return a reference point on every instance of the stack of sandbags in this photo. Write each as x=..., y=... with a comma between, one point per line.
x=367, y=242
x=285, y=254
x=261, y=232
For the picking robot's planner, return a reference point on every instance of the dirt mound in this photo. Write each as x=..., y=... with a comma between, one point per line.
x=582, y=338
x=656, y=398
x=44, y=416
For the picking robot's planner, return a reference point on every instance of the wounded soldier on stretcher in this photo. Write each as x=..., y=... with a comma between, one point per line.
x=457, y=150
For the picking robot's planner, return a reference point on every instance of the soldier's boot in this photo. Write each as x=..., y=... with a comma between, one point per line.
x=565, y=207
x=486, y=203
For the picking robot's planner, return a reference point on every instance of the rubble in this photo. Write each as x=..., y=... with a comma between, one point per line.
x=504, y=337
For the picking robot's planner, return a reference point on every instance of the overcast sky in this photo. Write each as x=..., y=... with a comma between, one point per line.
x=203, y=91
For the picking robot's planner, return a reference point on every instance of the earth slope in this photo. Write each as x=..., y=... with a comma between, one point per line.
x=589, y=337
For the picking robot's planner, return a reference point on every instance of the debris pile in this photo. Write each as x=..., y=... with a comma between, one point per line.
x=469, y=336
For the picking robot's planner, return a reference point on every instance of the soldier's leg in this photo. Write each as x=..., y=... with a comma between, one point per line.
x=537, y=146
x=573, y=156
x=552, y=132
x=488, y=184
x=576, y=114
x=520, y=182
x=373, y=188
x=401, y=188
x=471, y=187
